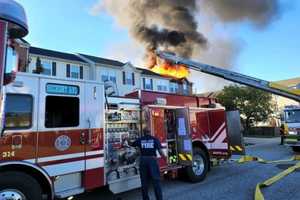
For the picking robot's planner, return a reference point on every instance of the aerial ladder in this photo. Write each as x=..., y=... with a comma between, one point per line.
x=267, y=86
x=290, y=122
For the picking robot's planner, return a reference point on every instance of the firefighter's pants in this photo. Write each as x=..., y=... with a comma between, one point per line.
x=149, y=170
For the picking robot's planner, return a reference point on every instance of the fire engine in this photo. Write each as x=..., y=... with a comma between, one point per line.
x=62, y=137
x=290, y=120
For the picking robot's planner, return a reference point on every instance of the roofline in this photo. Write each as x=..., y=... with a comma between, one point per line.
x=87, y=57
x=59, y=59
x=69, y=53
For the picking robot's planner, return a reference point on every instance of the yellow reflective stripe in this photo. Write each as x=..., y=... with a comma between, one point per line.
x=189, y=156
x=231, y=148
x=283, y=88
x=182, y=157
x=238, y=148
x=270, y=181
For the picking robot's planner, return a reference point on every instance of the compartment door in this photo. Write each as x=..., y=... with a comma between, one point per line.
x=184, y=140
x=158, y=130
x=94, y=142
x=203, y=130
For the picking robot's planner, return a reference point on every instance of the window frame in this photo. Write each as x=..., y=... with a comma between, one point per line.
x=174, y=87
x=50, y=68
x=160, y=84
x=128, y=76
x=109, y=74
x=72, y=67
x=150, y=80
x=32, y=113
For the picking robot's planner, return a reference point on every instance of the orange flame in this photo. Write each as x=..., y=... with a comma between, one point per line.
x=166, y=68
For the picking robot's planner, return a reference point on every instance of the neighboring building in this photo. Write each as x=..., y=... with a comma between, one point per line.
x=125, y=77
x=54, y=63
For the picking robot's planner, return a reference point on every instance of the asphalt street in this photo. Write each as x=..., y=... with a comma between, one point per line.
x=229, y=180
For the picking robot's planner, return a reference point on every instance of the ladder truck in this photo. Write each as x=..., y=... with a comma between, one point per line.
x=291, y=115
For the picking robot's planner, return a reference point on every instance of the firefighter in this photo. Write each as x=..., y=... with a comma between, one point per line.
x=283, y=132
x=149, y=169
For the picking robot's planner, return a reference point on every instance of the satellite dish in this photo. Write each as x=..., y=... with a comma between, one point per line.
x=15, y=15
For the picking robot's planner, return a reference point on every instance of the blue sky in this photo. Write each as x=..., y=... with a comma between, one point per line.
x=66, y=25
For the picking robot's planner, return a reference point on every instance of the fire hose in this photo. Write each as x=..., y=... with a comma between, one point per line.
x=258, y=193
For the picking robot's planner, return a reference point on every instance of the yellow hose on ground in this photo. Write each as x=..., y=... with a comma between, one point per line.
x=258, y=193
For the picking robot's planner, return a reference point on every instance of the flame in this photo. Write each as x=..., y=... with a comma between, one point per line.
x=166, y=68
x=173, y=71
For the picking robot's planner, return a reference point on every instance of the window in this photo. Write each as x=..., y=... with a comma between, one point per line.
x=108, y=75
x=47, y=67
x=148, y=83
x=74, y=71
x=292, y=116
x=61, y=112
x=173, y=87
x=162, y=85
x=185, y=88
x=18, y=111
x=128, y=78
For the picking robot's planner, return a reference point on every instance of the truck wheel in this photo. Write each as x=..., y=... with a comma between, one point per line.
x=19, y=186
x=197, y=172
x=296, y=148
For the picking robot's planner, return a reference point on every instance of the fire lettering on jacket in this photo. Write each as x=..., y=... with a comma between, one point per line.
x=147, y=144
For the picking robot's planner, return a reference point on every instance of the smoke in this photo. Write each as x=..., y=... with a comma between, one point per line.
x=172, y=25
x=258, y=12
x=195, y=29
x=158, y=24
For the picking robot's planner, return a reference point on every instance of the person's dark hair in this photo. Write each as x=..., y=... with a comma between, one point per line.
x=146, y=131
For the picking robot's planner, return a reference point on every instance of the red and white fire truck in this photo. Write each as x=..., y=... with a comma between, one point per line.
x=62, y=137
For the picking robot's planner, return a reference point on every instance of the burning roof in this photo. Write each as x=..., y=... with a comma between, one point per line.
x=165, y=67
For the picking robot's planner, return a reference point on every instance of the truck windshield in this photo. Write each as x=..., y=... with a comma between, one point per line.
x=292, y=116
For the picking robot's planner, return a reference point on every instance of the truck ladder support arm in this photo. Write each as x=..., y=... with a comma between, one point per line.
x=231, y=76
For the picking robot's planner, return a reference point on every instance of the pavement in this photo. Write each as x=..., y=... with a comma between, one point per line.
x=229, y=180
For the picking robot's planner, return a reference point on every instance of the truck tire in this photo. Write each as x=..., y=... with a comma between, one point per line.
x=19, y=186
x=198, y=171
x=296, y=148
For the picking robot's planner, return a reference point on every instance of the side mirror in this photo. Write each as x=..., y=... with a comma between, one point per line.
x=282, y=117
x=11, y=65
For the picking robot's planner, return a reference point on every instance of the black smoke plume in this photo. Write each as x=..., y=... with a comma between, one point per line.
x=172, y=24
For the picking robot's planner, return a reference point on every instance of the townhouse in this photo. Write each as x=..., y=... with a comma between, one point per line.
x=125, y=77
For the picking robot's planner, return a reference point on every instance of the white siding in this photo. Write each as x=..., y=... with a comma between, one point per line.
x=61, y=69
x=125, y=89
x=88, y=74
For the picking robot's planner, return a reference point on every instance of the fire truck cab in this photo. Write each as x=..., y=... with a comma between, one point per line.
x=53, y=137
